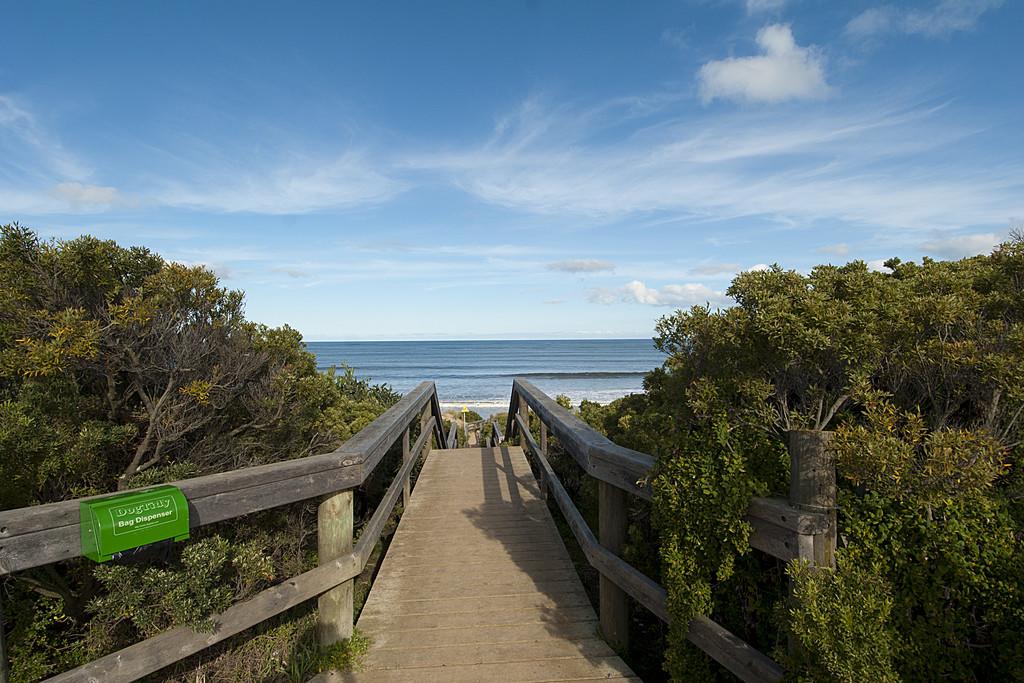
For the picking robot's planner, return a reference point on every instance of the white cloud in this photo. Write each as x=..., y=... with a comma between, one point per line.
x=943, y=19
x=757, y=267
x=871, y=22
x=715, y=268
x=300, y=185
x=690, y=294
x=866, y=164
x=841, y=249
x=39, y=176
x=878, y=265
x=87, y=194
x=581, y=266
x=757, y=6
x=785, y=71
x=603, y=295
x=30, y=149
x=959, y=246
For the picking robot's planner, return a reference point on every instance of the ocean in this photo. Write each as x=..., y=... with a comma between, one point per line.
x=479, y=374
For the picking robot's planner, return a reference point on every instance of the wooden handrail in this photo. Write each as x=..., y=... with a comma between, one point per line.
x=164, y=649
x=453, y=435
x=780, y=528
x=39, y=535
x=43, y=534
x=740, y=658
x=496, y=436
x=600, y=457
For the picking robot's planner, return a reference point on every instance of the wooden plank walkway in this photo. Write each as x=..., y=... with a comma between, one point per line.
x=477, y=585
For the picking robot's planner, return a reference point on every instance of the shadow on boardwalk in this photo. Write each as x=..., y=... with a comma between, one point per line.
x=478, y=585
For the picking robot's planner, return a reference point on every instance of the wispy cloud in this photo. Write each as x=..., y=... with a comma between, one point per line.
x=758, y=6
x=88, y=194
x=715, y=269
x=959, y=246
x=938, y=21
x=866, y=164
x=467, y=249
x=785, y=71
x=841, y=249
x=296, y=185
x=581, y=266
x=28, y=148
x=38, y=174
x=689, y=294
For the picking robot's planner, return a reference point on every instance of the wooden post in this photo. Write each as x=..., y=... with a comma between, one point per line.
x=541, y=479
x=524, y=411
x=613, y=524
x=424, y=418
x=812, y=487
x=407, y=488
x=334, y=539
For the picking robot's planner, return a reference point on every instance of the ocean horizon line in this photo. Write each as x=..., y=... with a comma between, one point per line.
x=487, y=339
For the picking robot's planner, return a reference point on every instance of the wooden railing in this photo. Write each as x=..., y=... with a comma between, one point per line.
x=802, y=527
x=43, y=534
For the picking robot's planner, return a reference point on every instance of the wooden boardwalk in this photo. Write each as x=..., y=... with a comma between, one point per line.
x=477, y=585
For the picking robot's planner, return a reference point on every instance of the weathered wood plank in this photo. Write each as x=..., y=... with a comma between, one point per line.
x=43, y=534
x=812, y=487
x=548, y=602
x=371, y=532
x=478, y=594
x=613, y=524
x=162, y=650
x=487, y=653
x=595, y=453
x=335, y=617
x=406, y=455
x=388, y=639
x=482, y=617
x=153, y=654
x=580, y=668
x=776, y=541
x=780, y=513
x=733, y=653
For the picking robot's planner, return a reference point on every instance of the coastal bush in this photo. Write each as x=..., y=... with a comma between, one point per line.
x=119, y=369
x=920, y=373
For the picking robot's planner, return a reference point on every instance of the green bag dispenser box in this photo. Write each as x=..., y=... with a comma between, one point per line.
x=114, y=524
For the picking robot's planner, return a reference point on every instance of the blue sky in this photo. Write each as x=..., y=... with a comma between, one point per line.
x=512, y=169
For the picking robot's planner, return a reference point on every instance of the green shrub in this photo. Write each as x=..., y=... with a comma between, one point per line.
x=119, y=369
x=920, y=372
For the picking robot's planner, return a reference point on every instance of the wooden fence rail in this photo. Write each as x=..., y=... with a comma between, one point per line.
x=803, y=527
x=40, y=535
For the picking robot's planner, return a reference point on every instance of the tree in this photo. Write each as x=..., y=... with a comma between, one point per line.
x=117, y=370
x=920, y=371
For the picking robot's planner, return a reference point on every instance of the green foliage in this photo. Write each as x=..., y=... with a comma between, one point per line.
x=345, y=656
x=118, y=370
x=920, y=372
x=202, y=583
x=44, y=639
x=840, y=622
x=705, y=484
